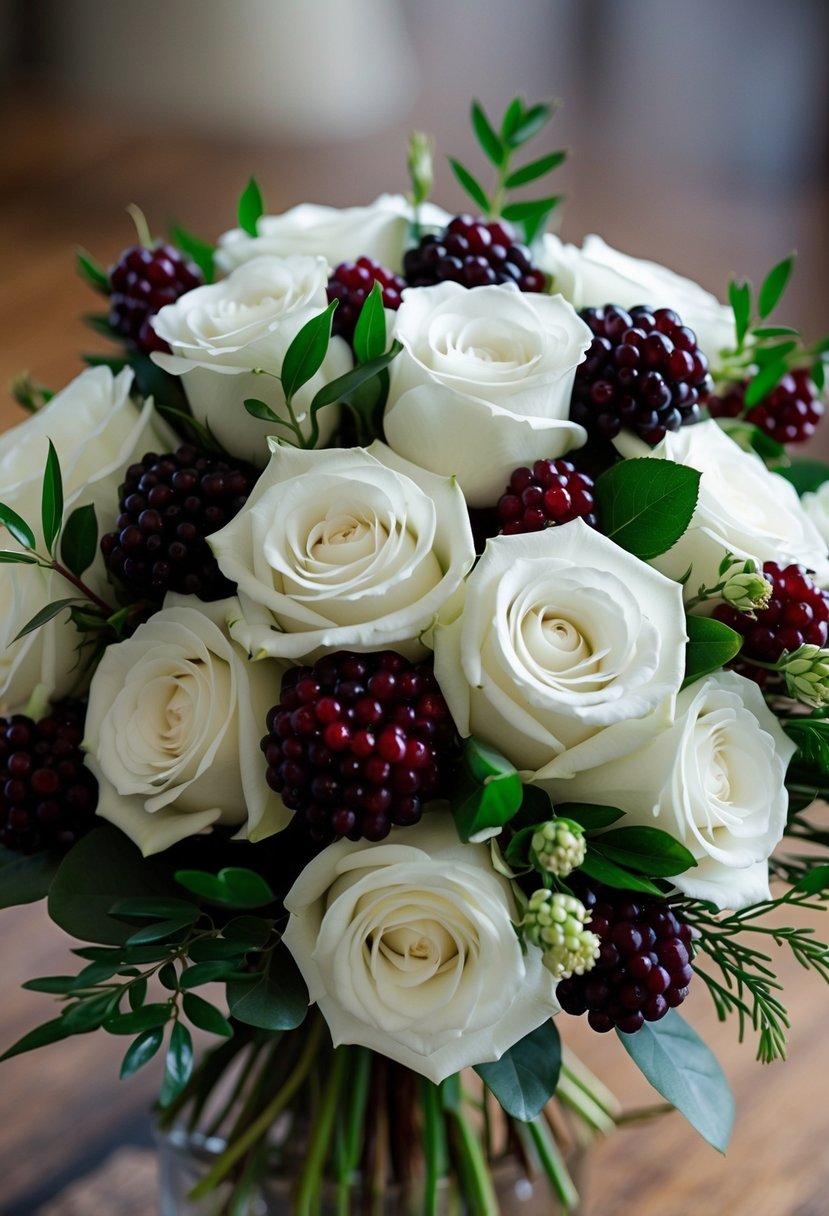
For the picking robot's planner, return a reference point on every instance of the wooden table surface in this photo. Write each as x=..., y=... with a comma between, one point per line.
x=66, y=174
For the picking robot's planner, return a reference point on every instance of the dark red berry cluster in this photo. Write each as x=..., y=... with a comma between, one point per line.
x=351, y=283
x=797, y=614
x=474, y=253
x=549, y=493
x=643, y=370
x=643, y=968
x=141, y=282
x=169, y=505
x=48, y=797
x=789, y=413
x=359, y=742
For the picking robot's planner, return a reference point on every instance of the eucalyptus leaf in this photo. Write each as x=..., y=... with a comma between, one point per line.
x=711, y=644
x=79, y=542
x=471, y=185
x=51, y=498
x=273, y=999
x=18, y=527
x=25, y=877
x=774, y=285
x=251, y=207
x=526, y=1076
x=646, y=504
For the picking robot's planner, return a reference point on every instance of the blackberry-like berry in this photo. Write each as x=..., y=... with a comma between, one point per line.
x=642, y=370
x=643, y=968
x=549, y=493
x=351, y=283
x=789, y=413
x=47, y=796
x=169, y=504
x=474, y=253
x=359, y=742
x=141, y=282
x=797, y=614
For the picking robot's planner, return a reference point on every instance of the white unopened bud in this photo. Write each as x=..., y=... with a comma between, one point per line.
x=554, y=922
x=559, y=846
x=806, y=671
x=747, y=591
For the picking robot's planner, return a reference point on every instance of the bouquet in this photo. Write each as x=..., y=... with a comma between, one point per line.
x=415, y=636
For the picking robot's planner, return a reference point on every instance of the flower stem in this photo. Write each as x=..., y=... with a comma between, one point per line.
x=311, y=1177
x=553, y=1163
x=85, y=591
x=482, y=1198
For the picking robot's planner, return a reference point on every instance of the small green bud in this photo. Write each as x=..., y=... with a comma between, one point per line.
x=746, y=590
x=554, y=922
x=421, y=169
x=806, y=672
x=559, y=847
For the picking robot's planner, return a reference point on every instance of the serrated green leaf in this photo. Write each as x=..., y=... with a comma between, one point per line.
x=645, y=505
x=682, y=1068
x=178, y=1065
x=25, y=877
x=234, y=886
x=589, y=817
x=774, y=285
x=471, y=185
x=306, y=353
x=612, y=875
x=487, y=138
x=535, y=169
x=44, y=616
x=18, y=527
x=647, y=850
x=198, y=250
x=148, y=1017
x=206, y=1016
x=526, y=1076
x=141, y=1051
x=531, y=209
x=79, y=542
x=761, y=385
x=711, y=644
x=739, y=297
x=47, y=1032
x=370, y=330
x=92, y=272
x=251, y=207
x=274, y=999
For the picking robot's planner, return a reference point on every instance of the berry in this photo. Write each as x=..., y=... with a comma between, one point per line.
x=359, y=742
x=351, y=283
x=789, y=413
x=549, y=493
x=643, y=370
x=474, y=253
x=141, y=282
x=643, y=968
x=47, y=796
x=169, y=504
x=797, y=614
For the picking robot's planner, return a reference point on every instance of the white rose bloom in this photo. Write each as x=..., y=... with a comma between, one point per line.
x=816, y=505
x=563, y=633
x=97, y=430
x=173, y=725
x=382, y=231
x=408, y=948
x=714, y=780
x=344, y=549
x=742, y=508
x=221, y=332
x=596, y=274
x=483, y=382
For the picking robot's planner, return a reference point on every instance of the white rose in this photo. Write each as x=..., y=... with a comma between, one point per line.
x=173, y=725
x=596, y=274
x=563, y=633
x=816, y=505
x=408, y=948
x=483, y=382
x=382, y=231
x=742, y=508
x=714, y=780
x=344, y=549
x=97, y=430
x=221, y=332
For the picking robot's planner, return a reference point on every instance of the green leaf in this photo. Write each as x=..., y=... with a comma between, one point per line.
x=79, y=542
x=471, y=185
x=214, y=950
x=206, y=1016
x=304, y=357
x=208, y=973
x=711, y=644
x=45, y=615
x=513, y=115
x=812, y=883
x=774, y=285
x=198, y=250
x=812, y=738
x=775, y=331
x=258, y=409
x=25, y=877
x=518, y=850
x=53, y=984
x=10, y=557
x=251, y=931
x=612, y=875
x=487, y=792
x=164, y=929
x=589, y=817
x=18, y=527
x=141, y=1051
x=530, y=124
x=682, y=1068
x=233, y=886
x=534, y=170
x=649, y=851
x=148, y=1017
x=94, y=874
x=168, y=977
x=646, y=504
x=761, y=385
x=370, y=330
x=805, y=475
x=51, y=499
x=531, y=209
x=178, y=1066
x=739, y=297
x=92, y=272
x=344, y=387
x=137, y=993
x=90, y=1013
x=251, y=207
x=48, y=1032
x=486, y=136
x=526, y=1076
x=99, y=322
x=274, y=999
x=152, y=908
